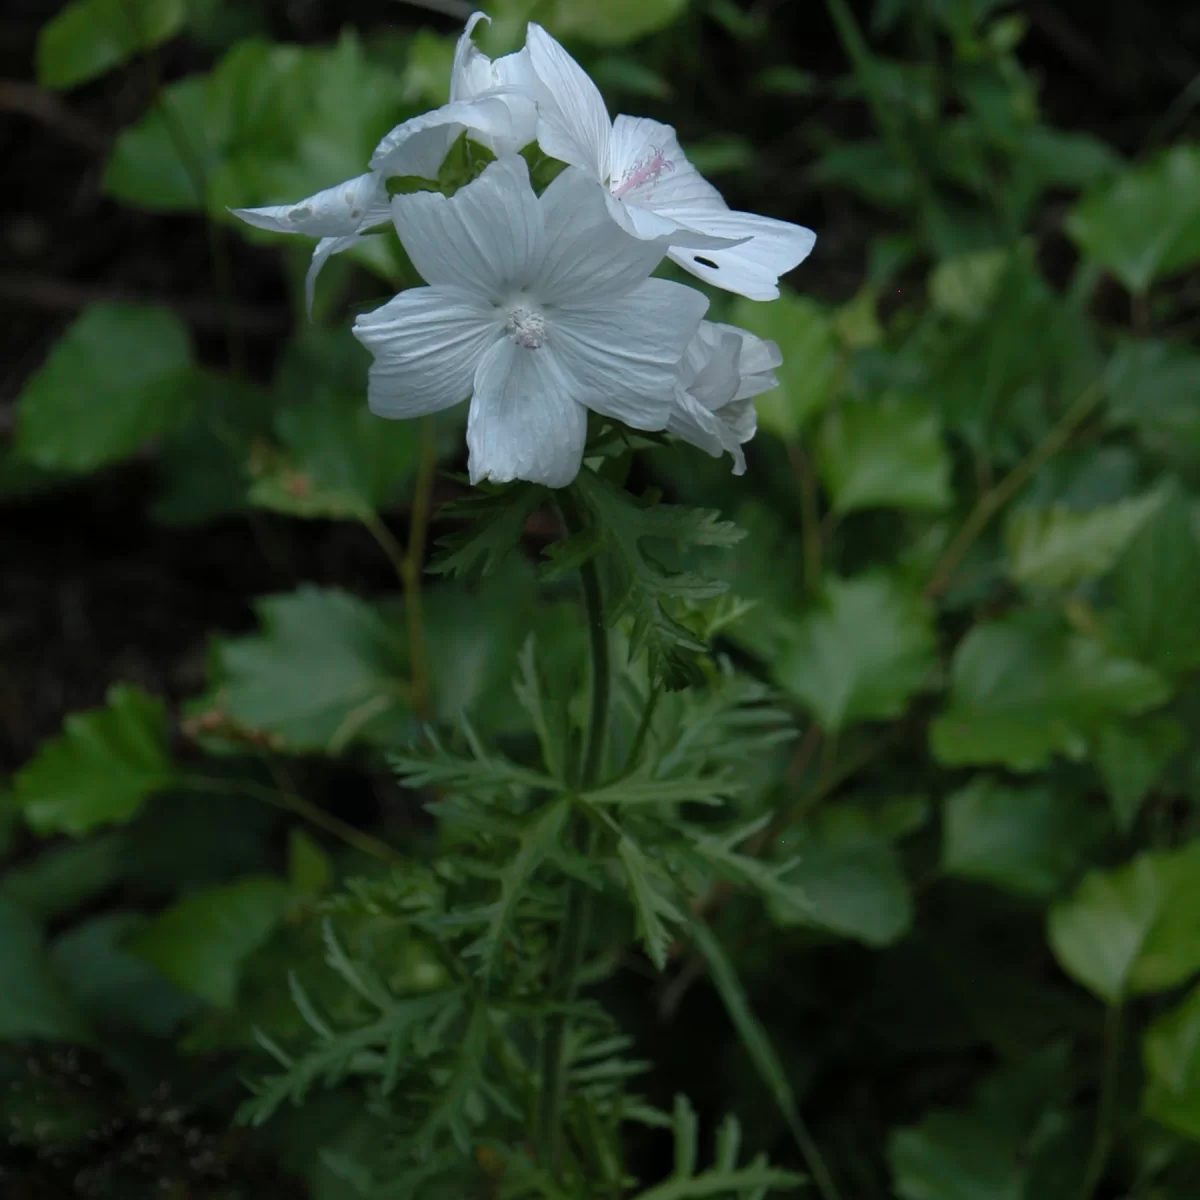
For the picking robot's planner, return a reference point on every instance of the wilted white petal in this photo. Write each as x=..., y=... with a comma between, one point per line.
x=721, y=369
x=623, y=353
x=573, y=122
x=426, y=343
x=588, y=257
x=488, y=238
x=753, y=268
x=337, y=211
x=693, y=423
x=524, y=422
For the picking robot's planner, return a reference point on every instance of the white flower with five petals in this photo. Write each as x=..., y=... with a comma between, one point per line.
x=654, y=192
x=491, y=101
x=721, y=372
x=538, y=308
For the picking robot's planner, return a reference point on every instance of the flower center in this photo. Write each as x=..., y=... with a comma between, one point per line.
x=526, y=327
x=647, y=169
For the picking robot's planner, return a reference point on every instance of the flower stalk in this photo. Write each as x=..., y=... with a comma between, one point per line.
x=568, y=955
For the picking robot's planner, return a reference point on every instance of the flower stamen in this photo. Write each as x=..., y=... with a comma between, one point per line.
x=527, y=328
x=647, y=169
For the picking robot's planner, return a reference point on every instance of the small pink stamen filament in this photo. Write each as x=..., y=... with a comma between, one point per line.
x=646, y=171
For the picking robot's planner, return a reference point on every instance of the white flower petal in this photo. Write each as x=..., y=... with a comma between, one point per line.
x=696, y=425
x=710, y=367
x=753, y=268
x=326, y=248
x=573, y=122
x=337, y=211
x=488, y=238
x=419, y=146
x=648, y=167
x=623, y=354
x=757, y=364
x=427, y=343
x=524, y=422
x=588, y=256
x=473, y=73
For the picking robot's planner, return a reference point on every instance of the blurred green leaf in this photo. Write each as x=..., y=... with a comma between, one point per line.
x=200, y=943
x=963, y=286
x=1157, y=587
x=1152, y=388
x=613, y=23
x=310, y=869
x=101, y=768
x=1023, y=689
x=1144, y=224
x=1131, y=758
x=884, y=455
x=336, y=446
x=66, y=875
x=202, y=463
x=1027, y=840
x=88, y=37
x=1000, y=1146
x=270, y=124
x=325, y=670
x=852, y=886
x=1057, y=548
x=812, y=363
x=117, y=378
x=1171, y=1053
x=860, y=653
x=1133, y=930
x=118, y=991
x=33, y=1001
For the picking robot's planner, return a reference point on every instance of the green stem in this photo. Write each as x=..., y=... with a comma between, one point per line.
x=1106, y=1116
x=810, y=514
x=997, y=497
x=568, y=955
x=418, y=529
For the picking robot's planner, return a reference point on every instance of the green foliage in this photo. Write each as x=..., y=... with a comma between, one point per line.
x=884, y=456
x=1132, y=930
x=269, y=124
x=120, y=376
x=34, y=1002
x=1023, y=689
x=869, y=762
x=861, y=653
x=1029, y=840
x=200, y=943
x=326, y=670
x=643, y=588
x=1144, y=224
x=101, y=769
x=89, y=37
x=1057, y=548
x=811, y=372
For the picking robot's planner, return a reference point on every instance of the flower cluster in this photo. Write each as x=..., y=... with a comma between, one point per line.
x=540, y=307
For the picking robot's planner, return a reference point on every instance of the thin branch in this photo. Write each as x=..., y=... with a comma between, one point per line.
x=997, y=497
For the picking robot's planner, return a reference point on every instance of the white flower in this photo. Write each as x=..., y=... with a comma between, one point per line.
x=539, y=308
x=722, y=370
x=490, y=101
x=655, y=191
